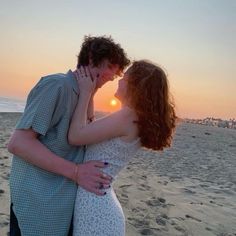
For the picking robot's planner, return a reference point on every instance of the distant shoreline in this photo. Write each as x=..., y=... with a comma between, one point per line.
x=216, y=122
x=219, y=123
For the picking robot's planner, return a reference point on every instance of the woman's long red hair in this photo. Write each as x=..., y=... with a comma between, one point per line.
x=149, y=95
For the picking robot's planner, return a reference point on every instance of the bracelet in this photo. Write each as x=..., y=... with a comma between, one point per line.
x=76, y=172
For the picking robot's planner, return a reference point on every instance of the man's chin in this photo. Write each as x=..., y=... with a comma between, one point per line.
x=98, y=86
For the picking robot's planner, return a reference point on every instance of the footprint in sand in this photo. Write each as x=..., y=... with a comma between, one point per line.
x=6, y=176
x=149, y=231
x=2, y=191
x=186, y=190
x=180, y=229
x=204, y=185
x=143, y=225
x=125, y=185
x=144, y=177
x=208, y=229
x=160, y=220
x=123, y=198
x=2, y=224
x=207, y=133
x=196, y=203
x=163, y=182
x=144, y=187
x=164, y=216
x=138, y=209
x=193, y=218
x=138, y=223
x=140, y=212
x=156, y=202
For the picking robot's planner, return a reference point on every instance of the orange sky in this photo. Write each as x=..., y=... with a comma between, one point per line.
x=193, y=99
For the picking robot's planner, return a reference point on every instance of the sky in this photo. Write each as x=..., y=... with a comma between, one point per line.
x=193, y=40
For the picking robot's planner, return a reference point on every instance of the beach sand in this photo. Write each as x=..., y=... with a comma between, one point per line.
x=189, y=189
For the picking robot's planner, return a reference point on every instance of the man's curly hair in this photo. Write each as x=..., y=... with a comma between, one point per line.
x=98, y=49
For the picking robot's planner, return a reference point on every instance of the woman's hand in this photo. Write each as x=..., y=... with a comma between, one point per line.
x=85, y=83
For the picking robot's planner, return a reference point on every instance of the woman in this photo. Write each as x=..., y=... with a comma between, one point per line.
x=147, y=119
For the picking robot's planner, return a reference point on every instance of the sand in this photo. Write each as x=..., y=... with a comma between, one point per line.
x=189, y=189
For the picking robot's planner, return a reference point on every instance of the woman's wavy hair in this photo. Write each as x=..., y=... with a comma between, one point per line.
x=148, y=93
x=98, y=49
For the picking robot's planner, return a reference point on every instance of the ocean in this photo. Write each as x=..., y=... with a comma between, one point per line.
x=11, y=105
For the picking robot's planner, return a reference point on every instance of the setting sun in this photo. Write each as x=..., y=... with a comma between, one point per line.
x=113, y=102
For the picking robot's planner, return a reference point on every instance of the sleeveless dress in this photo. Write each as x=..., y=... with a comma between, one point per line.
x=102, y=215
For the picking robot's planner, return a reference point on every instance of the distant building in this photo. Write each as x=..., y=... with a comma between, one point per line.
x=217, y=122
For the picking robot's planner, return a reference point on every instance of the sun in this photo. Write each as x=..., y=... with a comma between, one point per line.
x=113, y=102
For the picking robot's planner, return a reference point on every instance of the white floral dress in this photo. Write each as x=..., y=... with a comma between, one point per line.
x=102, y=215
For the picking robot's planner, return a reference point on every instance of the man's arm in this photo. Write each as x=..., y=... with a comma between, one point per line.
x=25, y=144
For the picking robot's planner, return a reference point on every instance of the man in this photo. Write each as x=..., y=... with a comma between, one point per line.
x=44, y=170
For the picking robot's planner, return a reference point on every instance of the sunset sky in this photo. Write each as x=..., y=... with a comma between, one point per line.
x=193, y=40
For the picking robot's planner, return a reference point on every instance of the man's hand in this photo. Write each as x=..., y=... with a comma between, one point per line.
x=91, y=178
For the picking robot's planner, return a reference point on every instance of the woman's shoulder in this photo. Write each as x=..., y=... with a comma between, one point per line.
x=127, y=112
x=128, y=117
x=124, y=117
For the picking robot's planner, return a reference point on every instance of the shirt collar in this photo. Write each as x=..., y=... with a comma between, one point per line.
x=73, y=81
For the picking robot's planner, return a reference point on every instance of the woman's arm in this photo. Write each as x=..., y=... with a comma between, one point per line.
x=102, y=129
x=90, y=113
x=81, y=133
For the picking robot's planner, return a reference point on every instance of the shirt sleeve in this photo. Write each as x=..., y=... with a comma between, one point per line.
x=44, y=101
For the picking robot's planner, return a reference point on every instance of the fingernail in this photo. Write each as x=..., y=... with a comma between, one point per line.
x=106, y=163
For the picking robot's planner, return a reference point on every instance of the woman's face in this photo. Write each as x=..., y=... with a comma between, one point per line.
x=121, y=92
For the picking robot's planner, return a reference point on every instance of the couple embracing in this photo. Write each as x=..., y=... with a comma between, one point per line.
x=65, y=161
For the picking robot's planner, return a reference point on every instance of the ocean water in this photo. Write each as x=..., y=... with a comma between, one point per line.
x=11, y=105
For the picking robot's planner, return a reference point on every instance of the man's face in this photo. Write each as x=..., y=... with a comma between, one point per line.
x=106, y=72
